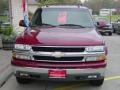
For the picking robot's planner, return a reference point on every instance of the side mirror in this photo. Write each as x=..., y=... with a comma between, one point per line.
x=22, y=23
x=96, y=24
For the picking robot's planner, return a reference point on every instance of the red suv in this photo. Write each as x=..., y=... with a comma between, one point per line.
x=62, y=44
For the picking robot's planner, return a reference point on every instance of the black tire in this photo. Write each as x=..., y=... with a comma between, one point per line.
x=98, y=82
x=102, y=33
x=114, y=30
x=110, y=33
x=21, y=80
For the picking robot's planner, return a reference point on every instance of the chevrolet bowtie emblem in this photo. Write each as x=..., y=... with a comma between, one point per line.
x=58, y=54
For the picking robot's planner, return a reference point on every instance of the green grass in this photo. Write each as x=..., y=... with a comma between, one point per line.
x=3, y=18
x=114, y=17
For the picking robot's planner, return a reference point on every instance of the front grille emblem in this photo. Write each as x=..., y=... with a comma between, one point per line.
x=58, y=54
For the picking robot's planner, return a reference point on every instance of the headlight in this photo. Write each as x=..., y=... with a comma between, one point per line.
x=22, y=47
x=21, y=56
x=95, y=49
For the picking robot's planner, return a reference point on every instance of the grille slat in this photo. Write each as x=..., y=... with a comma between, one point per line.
x=58, y=59
x=59, y=49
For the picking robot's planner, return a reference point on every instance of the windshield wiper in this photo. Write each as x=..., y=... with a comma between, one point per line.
x=45, y=24
x=72, y=25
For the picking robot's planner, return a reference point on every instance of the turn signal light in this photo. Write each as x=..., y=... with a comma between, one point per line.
x=102, y=57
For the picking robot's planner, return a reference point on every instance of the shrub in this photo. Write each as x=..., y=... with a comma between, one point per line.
x=6, y=30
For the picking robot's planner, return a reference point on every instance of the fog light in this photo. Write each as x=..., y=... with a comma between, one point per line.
x=24, y=74
x=92, y=76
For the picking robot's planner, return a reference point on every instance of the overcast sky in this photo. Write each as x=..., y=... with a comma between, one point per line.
x=82, y=0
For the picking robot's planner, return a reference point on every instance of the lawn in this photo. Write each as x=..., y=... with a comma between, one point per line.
x=114, y=17
x=3, y=18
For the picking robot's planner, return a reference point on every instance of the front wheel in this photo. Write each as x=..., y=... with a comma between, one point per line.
x=98, y=82
x=21, y=80
x=110, y=33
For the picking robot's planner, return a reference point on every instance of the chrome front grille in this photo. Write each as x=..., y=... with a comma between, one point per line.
x=58, y=53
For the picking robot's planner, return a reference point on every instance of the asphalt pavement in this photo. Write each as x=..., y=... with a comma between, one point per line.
x=112, y=79
x=5, y=67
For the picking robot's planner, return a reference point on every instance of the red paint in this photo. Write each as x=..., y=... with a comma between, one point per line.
x=61, y=36
x=24, y=5
x=103, y=24
x=28, y=63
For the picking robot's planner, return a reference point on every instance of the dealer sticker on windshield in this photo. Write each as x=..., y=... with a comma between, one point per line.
x=62, y=18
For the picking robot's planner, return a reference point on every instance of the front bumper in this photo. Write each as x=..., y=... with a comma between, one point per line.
x=72, y=74
x=105, y=31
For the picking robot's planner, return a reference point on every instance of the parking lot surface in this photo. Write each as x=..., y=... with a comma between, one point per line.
x=112, y=80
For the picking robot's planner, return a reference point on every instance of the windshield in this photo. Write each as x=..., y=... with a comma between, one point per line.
x=62, y=17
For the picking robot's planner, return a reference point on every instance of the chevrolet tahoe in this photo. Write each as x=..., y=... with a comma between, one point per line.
x=62, y=44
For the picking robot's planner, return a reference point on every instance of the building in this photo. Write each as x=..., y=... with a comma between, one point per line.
x=91, y=11
x=106, y=12
x=16, y=12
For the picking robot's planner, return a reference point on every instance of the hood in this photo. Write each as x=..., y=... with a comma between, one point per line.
x=61, y=36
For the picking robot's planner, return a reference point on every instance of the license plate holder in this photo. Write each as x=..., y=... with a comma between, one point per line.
x=57, y=73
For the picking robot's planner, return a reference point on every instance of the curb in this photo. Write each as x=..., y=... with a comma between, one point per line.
x=6, y=74
x=1, y=42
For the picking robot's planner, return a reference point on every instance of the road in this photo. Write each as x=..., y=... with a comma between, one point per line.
x=112, y=80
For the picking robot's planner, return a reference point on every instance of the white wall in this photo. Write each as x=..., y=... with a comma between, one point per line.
x=106, y=12
x=17, y=15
